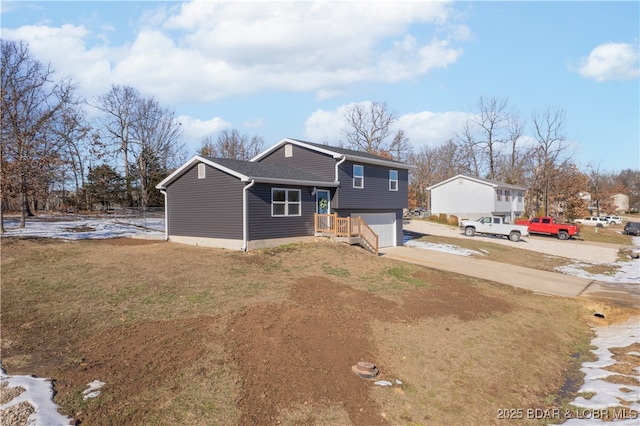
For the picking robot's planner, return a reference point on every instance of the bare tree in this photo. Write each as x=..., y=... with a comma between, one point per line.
x=549, y=127
x=629, y=183
x=143, y=134
x=119, y=107
x=515, y=164
x=231, y=144
x=467, y=144
x=155, y=144
x=434, y=164
x=484, y=136
x=602, y=187
x=74, y=131
x=33, y=102
x=369, y=128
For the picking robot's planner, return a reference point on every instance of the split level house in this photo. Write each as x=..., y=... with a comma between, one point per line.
x=293, y=191
x=471, y=198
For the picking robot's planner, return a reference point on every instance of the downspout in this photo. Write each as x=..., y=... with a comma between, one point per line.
x=344, y=158
x=245, y=215
x=166, y=216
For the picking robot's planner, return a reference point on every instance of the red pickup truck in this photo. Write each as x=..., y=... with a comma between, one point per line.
x=549, y=226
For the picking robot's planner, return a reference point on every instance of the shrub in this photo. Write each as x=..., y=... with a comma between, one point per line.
x=453, y=220
x=433, y=217
x=442, y=218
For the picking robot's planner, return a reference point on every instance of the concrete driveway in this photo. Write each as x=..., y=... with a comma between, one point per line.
x=531, y=279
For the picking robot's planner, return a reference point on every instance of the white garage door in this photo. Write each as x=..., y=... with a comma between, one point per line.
x=383, y=224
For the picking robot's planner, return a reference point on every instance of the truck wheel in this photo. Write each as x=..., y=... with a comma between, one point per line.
x=514, y=236
x=563, y=235
x=469, y=231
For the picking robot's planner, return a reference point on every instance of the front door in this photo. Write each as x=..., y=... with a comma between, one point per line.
x=322, y=201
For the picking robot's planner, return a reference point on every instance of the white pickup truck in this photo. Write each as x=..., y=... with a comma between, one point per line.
x=493, y=225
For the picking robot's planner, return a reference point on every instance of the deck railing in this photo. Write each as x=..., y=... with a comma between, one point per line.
x=346, y=227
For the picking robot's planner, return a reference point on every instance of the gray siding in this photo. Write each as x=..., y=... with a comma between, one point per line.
x=263, y=226
x=209, y=207
x=305, y=159
x=376, y=193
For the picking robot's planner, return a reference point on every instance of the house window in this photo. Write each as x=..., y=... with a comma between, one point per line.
x=288, y=150
x=393, y=180
x=285, y=202
x=358, y=176
x=201, y=171
x=499, y=192
x=507, y=195
x=520, y=195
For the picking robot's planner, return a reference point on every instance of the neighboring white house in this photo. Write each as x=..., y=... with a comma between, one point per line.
x=621, y=203
x=471, y=198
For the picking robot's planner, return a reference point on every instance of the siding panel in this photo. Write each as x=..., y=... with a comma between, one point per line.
x=376, y=193
x=305, y=159
x=263, y=226
x=209, y=207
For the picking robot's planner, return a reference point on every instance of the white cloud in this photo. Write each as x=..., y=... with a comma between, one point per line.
x=431, y=128
x=65, y=48
x=194, y=129
x=204, y=50
x=611, y=61
x=422, y=128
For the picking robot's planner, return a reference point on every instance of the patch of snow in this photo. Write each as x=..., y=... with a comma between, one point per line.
x=446, y=248
x=383, y=383
x=606, y=394
x=628, y=272
x=39, y=393
x=82, y=228
x=93, y=389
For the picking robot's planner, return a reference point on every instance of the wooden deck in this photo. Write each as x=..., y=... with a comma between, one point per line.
x=353, y=229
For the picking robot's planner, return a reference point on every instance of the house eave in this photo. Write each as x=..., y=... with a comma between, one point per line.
x=333, y=154
x=291, y=182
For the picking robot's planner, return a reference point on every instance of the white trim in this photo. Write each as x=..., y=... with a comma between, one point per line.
x=166, y=215
x=361, y=177
x=338, y=166
x=396, y=180
x=334, y=154
x=195, y=160
x=328, y=199
x=245, y=215
x=244, y=178
x=286, y=202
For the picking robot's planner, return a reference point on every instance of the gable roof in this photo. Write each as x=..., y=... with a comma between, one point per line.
x=247, y=171
x=336, y=152
x=492, y=183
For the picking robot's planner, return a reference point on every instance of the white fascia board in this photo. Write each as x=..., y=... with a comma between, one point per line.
x=195, y=160
x=293, y=142
x=375, y=161
x=292, y=182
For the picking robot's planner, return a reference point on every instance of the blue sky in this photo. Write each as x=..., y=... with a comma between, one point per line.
x=290, y=69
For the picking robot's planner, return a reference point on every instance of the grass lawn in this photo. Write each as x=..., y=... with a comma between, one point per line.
x=191, y=335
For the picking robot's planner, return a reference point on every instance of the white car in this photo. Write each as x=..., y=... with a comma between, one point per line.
x=600, y=222
x=613, y=220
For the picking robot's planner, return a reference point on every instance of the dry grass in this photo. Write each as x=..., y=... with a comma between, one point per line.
x=610, y=234
x=158, y=322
